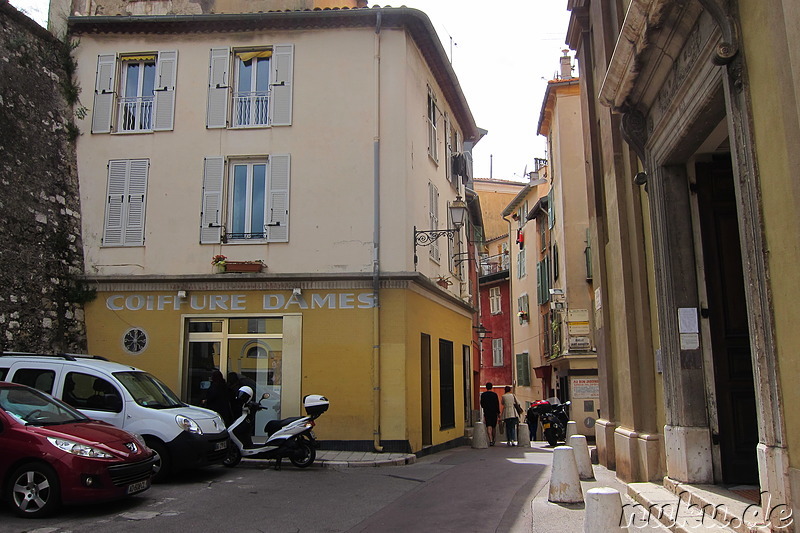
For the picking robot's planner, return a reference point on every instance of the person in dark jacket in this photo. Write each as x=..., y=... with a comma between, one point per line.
x=491, y=409
x=218, y=397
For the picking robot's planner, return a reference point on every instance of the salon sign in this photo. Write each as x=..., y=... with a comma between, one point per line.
x=239, y=302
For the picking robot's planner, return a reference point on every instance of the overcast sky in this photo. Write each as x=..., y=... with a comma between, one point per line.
x=503, y=53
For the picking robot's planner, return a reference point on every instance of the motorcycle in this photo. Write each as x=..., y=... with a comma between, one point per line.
x=554, y=418
x=291, y=437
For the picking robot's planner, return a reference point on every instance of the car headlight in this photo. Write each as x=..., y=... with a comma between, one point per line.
x=77, y=448
x=187, y=424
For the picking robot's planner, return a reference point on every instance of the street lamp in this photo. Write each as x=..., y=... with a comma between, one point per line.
x=482, y=331
x=458, y=214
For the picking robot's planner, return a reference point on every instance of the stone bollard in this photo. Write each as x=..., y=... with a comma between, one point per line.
x=603, y=511
x=572, y=429
x=582, y=458
x=480, y=439
x=523, y=435
x=565, y=484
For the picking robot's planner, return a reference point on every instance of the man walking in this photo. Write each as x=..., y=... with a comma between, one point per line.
x=491, y=409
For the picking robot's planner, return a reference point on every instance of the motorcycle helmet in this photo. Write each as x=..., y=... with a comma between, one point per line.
x=244, y=394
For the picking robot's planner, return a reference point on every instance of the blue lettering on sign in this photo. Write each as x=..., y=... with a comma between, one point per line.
x=238, y=302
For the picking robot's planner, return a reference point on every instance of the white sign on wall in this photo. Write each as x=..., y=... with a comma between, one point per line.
x=238, y=302
x=585, y=388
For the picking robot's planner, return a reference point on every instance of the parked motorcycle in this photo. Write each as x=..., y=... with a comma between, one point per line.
x=291, y=437
x=553, y=416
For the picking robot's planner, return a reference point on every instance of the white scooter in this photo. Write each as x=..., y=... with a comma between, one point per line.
x=291, y=437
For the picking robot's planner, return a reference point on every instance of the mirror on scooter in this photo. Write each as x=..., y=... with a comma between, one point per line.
x=265, y=396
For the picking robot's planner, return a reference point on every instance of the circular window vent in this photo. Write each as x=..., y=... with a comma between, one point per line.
x=134, y=341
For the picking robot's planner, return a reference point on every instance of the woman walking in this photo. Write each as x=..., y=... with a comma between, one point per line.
x=510, y=417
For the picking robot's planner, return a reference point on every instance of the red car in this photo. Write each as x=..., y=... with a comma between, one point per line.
x=52, y=454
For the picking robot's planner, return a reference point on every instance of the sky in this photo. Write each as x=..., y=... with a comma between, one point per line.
x=503, y=54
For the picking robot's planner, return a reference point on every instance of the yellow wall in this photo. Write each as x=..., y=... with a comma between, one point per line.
x=336, y=353
x=773, y=68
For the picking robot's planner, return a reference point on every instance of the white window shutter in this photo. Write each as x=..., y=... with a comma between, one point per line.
x=104, y=87
x=211, y=216
x=218, y=80
x=278, y=185
x=115, y=203
x=280, y=102
x=166, y=71
x=137, y=195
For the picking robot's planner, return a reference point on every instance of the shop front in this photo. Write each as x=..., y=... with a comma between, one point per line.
x=312, y=338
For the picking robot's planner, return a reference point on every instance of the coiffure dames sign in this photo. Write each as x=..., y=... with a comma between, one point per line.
x=239, y=302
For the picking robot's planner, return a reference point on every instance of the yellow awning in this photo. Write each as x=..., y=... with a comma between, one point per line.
x=149, y=57
x=247, y=56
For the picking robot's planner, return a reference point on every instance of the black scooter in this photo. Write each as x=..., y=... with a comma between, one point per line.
x=291, y=437
x=553, y=416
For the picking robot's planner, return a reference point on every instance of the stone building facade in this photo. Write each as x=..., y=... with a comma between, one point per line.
x=41, y=299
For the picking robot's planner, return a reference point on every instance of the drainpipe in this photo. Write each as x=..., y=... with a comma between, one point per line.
x=376, y=240
x=511, y=303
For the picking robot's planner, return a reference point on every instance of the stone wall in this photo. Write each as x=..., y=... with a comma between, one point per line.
x=41, y=256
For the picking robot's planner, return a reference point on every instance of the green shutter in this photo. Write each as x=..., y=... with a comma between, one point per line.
x=523, y=370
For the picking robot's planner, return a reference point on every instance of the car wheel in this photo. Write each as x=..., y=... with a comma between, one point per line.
x=163, y=464
x=304, y=456
x=550, y=436
x=233, y=457
x=34, y=491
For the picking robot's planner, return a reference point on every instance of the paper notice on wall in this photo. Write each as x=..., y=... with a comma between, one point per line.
x=585, y=388
x=687, y=320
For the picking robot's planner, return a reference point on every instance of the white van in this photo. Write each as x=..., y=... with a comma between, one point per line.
x=182, y=435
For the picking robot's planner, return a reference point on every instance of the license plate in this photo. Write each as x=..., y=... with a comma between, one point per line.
x=545, y=426
x=220, y=445
x=138, y=487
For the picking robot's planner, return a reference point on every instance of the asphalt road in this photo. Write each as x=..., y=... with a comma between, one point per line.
x=463, y=489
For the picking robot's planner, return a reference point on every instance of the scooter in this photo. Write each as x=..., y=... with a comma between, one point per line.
x=554, y=418
x=291, y=437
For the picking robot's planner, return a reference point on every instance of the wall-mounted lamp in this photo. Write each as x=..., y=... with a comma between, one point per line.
x=556, y=292
x=297, y=291
x=458, y=214
x=181, y=294
x=482, y=331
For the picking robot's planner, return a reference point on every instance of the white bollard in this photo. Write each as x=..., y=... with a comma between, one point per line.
x=565, y=484
x=523, y=435
x=603, y=511
x=480, y=439
x=582, y=458
x=572, y=429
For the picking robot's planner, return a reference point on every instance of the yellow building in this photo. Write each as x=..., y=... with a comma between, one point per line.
x=306, y=147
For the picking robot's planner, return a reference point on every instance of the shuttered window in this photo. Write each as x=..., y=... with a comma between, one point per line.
x=255, y=84
x=497, y=352
x=125, y=203
x=523, y=370
x=433, y=217
x=143, y=99
x=257, y=205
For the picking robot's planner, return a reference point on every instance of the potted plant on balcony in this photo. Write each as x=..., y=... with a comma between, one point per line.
x=219, y=261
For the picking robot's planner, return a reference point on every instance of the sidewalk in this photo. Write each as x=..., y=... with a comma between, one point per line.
x=332, y=458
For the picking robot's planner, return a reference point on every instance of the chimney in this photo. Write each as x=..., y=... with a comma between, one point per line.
x=566, y=66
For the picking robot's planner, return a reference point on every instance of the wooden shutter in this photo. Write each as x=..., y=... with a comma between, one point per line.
x=433, y=202
x=218, y=79
x=136, y=198
x=280, y=102
x=115, y=203
x=166, y=70
x=104, y=87
x=125, y=202
x=211, y=214
x=278, y=190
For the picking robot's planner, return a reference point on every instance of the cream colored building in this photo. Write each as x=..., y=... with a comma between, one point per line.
x=570, y=299
x=306, y=146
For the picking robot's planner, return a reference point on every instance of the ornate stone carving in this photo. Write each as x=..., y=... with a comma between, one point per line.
x=729, y=46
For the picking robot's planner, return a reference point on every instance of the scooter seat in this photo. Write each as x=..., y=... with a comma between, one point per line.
x=275, y=425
